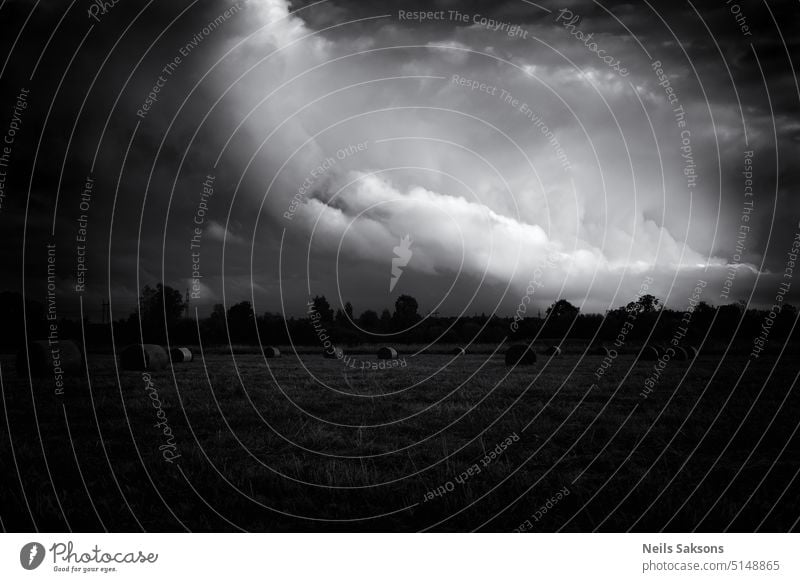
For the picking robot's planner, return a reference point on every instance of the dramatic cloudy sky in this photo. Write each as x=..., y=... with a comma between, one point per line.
x=264, y=97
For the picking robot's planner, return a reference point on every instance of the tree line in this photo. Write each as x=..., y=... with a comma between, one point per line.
x=162, y=312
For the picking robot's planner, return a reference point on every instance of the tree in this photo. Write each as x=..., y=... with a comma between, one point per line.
x=649, y=303
x=218, y=312
x=645, y=304
x=728, y=318
x=241, y=322
x=386, y=319
x=12, y=322
x=340, y=317
x=702, y=316
x=562, y=309
x=369, y=320
x=405, y=310
x=213, y=327
x=321, y=306
x=161, y=308
x=161, y=303
x=348, y=309
x=703, y=309
x=272, y=328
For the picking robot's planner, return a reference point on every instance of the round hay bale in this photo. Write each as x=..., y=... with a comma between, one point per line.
x=520, y=355
x=458, y=351
x=272, y=352
x=600, y=351
x=649, y=353
x=333, y=353
x=553, y=351
x=681, y=355
x=143, y=357
x=180, y=355
x=387, y=353
x=691, y=352
x=45, y=358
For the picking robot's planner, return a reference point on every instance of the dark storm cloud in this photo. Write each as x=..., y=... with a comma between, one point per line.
x=81, y=118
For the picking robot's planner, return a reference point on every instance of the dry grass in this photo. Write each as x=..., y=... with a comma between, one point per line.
x=265, y=441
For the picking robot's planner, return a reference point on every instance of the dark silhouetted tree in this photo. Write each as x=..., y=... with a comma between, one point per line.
x=386, y=319
x=405, y=311
x=645, y=304
x=163, y=302
x=340, y=318
x=322, y=307
x=369, y=320
x=368, y=316
x=562, y=309
x=212, y=328
x=13, y=324
x=241, y=322
x=159, y=306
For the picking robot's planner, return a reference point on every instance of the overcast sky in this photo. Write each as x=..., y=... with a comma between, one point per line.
x=504, y=141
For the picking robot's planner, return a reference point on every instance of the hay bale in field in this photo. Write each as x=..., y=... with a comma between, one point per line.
x=387, y=353
x=180, y=355
x=143, y=357
x=553, y=351
x=600, y=351
x=649, y=353
x=271, y=352
x=458, y=351
x=333, y=353
x=680, y=354
x=685, y=353
x=46, y=359
x=520, y=355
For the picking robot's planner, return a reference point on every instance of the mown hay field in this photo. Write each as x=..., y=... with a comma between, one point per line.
x=434, y=442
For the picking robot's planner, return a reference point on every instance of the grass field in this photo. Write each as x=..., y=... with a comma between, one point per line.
x=441, y=443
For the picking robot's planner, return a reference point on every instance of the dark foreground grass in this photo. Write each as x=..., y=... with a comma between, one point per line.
x=305, y=443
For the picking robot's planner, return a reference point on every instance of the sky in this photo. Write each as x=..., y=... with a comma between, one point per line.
x=271, y=151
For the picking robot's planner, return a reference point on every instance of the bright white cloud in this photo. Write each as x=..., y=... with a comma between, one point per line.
x=612, y=212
